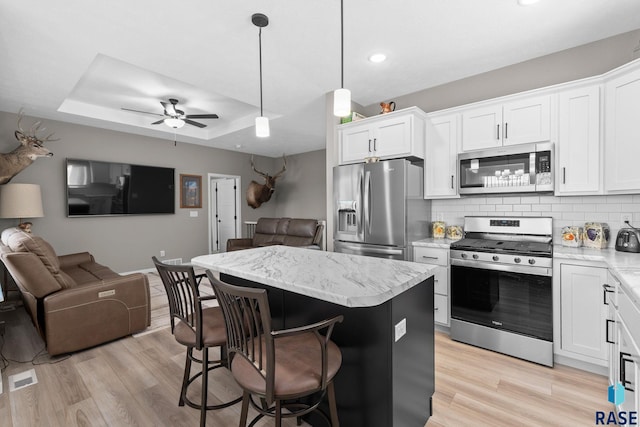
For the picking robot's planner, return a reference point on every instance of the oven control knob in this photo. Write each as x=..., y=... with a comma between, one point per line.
x=532, y=261
x=463, y=255
x=517, y=260
x=495, y=258
x=475, y=256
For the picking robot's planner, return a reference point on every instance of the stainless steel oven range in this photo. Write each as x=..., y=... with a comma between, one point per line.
x=501, y=295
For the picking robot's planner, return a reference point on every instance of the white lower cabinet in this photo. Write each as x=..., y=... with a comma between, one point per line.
x=624, y=368
x=582, y=323
x=439, y=257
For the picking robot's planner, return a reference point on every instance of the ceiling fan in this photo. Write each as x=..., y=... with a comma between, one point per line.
x=174, y=117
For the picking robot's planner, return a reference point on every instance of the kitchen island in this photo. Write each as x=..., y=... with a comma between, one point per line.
x=386, y=338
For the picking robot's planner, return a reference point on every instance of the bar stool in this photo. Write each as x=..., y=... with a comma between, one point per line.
x=195, y=328
x=281, y=366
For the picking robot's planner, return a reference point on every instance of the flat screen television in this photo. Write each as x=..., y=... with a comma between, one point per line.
x=97, y=188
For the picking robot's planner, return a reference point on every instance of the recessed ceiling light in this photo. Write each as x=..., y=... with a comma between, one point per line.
x=377, y=57
x=527, y=2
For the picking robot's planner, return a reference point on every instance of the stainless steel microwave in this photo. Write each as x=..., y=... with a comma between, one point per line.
x=524, y=168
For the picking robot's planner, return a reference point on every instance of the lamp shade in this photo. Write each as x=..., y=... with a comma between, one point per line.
x=20, y=201
x=341, y=102
x=262, y=127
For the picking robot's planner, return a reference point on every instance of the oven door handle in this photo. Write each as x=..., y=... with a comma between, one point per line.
x=535, y=271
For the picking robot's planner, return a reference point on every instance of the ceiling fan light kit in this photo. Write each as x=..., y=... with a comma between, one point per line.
x=261, y=20
x=342, y=96
x=174, y=123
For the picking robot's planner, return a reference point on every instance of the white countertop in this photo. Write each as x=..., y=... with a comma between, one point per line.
x=625, y=265
x=347, y=280
x=434, y=243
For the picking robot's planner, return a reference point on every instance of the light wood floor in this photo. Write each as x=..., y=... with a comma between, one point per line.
x=136, y=381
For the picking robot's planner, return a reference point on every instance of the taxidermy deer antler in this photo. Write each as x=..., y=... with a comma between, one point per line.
x=30, y=148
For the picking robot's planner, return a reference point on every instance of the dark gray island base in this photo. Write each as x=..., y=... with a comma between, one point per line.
x=382, y=382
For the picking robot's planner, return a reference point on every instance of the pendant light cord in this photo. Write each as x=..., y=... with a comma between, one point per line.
x=342, y=44
x=260, y=50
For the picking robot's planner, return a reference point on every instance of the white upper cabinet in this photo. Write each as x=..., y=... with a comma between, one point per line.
x=622, y=130
x=578, y=147
x=388, y=136
x=440, y=163
x=519, y=121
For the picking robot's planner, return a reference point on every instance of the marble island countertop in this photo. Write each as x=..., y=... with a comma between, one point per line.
x=625, y=265
x=348, y=280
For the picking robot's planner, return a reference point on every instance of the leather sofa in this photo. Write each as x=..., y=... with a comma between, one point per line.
x=74, y=302
x=281, y=231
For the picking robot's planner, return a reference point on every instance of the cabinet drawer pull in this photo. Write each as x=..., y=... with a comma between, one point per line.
x=564, y=175
x=374, y=144
x=452, y=182
x=606, y=288
x=369, y=145
x=623, y=373
x=498, y=132
x=606, y=326
x=429, y=257
x=506, y=130
x=435, y=308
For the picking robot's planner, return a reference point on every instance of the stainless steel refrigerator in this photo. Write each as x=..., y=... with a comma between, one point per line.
x=379, y=208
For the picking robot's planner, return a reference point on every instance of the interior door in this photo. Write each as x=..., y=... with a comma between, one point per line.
x=224, y=218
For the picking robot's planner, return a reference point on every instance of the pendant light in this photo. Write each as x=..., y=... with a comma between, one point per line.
x=262, y=123
x=342, y=96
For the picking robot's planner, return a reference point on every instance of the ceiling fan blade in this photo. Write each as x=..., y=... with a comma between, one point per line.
x=169, y=108
x=191, y=122
x=139, y=111
x=158, y=122
x=201, y=116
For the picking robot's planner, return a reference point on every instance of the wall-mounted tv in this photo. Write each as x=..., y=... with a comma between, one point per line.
x=97, y=188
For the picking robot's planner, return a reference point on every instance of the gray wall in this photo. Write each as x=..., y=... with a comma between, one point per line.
x=567, y=65
x=127, y=243
x=302, y=192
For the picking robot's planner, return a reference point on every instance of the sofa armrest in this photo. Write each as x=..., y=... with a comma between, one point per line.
x=235, y=244
x=71, y=260
x=30, y=274
x=95, y=313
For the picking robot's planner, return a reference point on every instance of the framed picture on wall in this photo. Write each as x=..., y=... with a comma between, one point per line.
x=190, y=191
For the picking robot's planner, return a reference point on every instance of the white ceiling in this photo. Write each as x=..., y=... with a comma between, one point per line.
x=80, y=61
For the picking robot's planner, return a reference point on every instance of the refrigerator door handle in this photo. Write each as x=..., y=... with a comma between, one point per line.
x=367, y=201
x=359, y=207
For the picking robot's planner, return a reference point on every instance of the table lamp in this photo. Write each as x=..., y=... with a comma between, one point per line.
x=21, y=201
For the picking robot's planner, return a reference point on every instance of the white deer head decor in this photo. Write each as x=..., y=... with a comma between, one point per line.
x=30, y=148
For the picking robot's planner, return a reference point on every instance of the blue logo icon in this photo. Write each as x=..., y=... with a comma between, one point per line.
x=616, y=394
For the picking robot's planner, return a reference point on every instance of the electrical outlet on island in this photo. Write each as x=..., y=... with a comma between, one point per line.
x=162, y=253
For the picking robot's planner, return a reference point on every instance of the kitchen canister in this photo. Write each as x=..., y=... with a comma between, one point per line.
x=438, y=228
x=596, y=235
x=454, y=232
x=572, y=236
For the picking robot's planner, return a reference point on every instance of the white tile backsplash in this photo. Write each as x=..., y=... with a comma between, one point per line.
x=569, y=210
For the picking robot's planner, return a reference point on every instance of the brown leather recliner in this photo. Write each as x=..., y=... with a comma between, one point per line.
x=74, y=302
x=281, y=231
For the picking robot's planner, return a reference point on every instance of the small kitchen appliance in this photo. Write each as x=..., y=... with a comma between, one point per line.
x=628, y=240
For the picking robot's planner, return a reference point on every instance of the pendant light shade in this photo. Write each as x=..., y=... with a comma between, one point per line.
x=341, y=102
x=342, y=96
x=262, y=127
x=262, y=123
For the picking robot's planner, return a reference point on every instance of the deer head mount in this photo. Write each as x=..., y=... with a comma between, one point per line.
x=258, y=194
x=30, y=148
